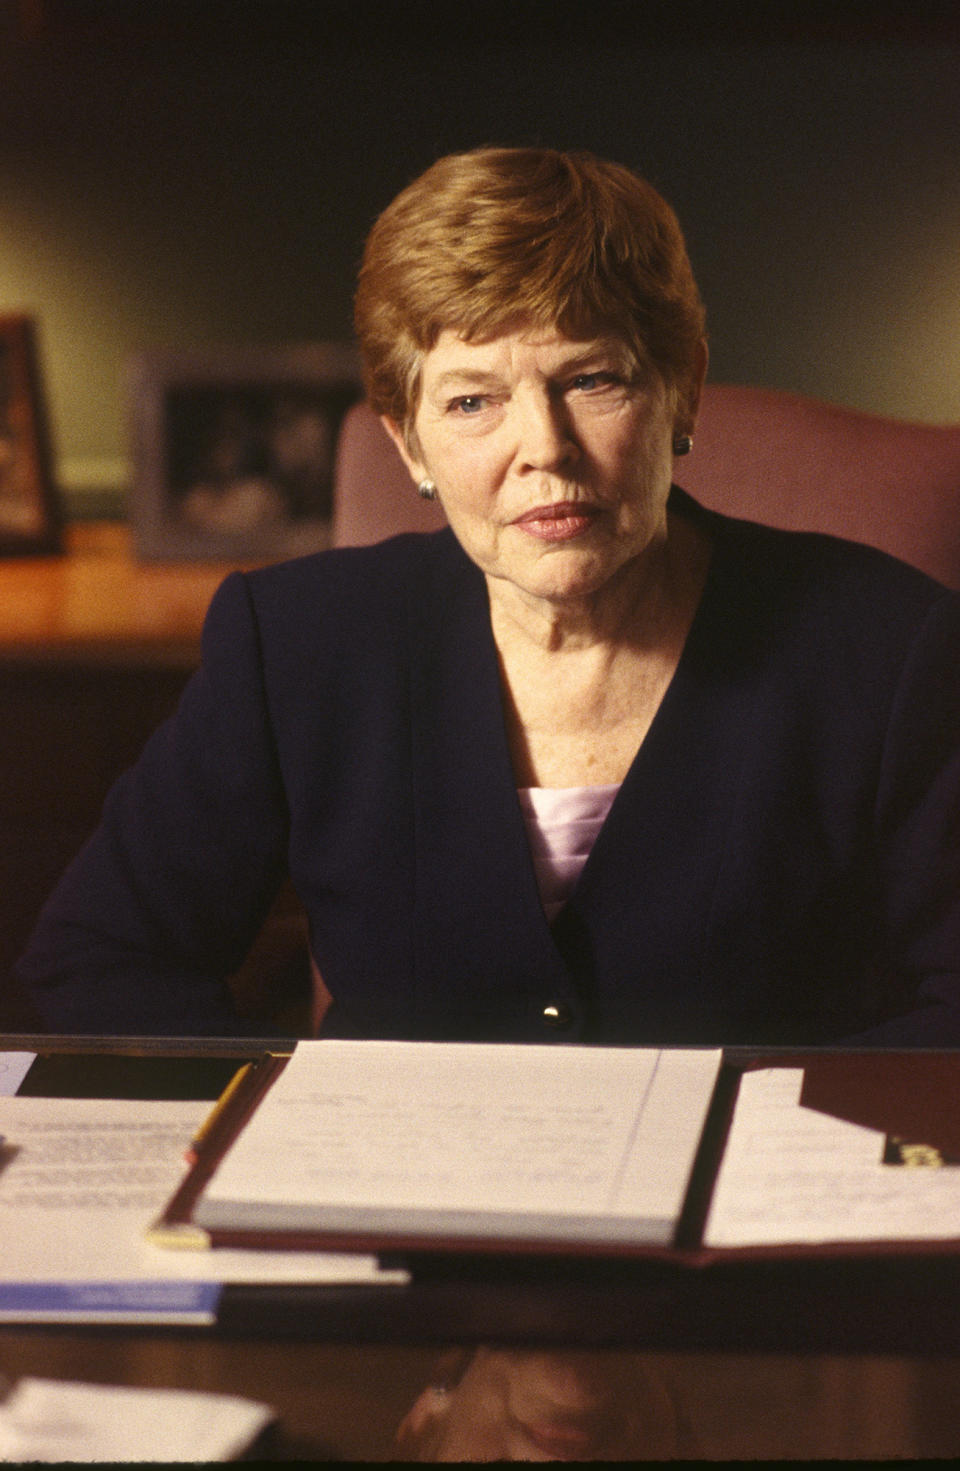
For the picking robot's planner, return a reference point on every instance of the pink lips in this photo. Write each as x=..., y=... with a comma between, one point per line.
x=560, y=521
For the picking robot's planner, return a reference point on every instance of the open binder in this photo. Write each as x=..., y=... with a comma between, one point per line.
x=300, y=1153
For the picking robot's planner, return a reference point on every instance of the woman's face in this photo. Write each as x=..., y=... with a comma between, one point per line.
x=512, y=1405
x=552, y=464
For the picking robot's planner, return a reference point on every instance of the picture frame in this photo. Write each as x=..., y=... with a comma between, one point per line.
x=31, y=518
x=234, y=449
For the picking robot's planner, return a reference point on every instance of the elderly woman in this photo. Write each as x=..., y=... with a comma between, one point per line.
x=594, y=764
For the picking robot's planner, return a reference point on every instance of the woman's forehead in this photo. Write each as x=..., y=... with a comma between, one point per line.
x=546, y=347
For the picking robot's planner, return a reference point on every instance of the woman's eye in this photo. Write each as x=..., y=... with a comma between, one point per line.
x=587, y=382
x=469, y=403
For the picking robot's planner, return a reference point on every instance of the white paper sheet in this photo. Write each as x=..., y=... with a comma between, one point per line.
x=82, y=1179
x=790, y=1175
x=48, y=1420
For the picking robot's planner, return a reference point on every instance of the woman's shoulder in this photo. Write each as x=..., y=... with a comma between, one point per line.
x=382, y=564
x=818, y=603
x=369, y=581
x=324, y=615
x=813, y=565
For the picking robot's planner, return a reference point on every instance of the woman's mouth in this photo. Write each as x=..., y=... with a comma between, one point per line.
x=560, y=521
x=563, y=1441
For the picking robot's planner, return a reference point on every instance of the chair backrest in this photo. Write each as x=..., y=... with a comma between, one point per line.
x=771, y=456
x=373, y=495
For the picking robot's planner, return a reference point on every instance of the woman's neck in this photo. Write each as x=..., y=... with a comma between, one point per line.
x=582, y=685
x=639, y=606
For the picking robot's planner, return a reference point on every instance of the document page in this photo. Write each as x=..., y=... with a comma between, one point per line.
x=583, y=1143
x=791, y=1175
x=81, y=1180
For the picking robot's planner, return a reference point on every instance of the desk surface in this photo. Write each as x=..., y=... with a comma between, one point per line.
x=99, y=602
x=885, y=1302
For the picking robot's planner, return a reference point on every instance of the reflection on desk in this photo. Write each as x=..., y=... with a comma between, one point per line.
x=369, y=1402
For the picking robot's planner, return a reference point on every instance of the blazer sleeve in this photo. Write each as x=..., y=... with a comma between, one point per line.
x=163, y=901
x=917, y=824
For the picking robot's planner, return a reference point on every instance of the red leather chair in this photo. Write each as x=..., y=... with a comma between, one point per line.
x=771, y=456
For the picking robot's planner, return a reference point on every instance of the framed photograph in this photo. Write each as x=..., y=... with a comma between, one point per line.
x=30, y=516
x=233, y=449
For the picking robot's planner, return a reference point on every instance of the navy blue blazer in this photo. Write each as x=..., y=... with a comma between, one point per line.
x=780, y=866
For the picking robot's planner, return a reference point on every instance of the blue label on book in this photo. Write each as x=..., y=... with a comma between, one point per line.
x=143, y=1300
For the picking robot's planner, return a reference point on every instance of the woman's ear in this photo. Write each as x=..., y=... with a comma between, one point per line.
x=418, y=1434
x=692, y=404
x=406, y=453
x=420, y=1429
x=687, y=399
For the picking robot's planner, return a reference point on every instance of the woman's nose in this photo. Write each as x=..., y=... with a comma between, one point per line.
x=545, y=439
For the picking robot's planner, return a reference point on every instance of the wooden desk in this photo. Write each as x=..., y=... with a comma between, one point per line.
x=762, y=1363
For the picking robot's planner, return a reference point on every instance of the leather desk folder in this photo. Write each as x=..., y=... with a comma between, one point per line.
x=902, y=1108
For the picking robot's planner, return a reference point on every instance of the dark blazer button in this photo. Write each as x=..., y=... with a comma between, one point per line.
x=557, y=1015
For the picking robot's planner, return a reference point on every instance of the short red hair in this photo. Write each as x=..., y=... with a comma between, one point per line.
x=497, y=238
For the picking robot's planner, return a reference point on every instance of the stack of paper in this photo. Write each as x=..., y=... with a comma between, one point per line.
x=458, y=1143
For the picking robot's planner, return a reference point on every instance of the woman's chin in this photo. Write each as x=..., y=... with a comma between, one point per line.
x=568, y=575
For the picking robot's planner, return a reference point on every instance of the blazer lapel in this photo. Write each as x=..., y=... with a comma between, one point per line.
x=477, y=904
x=636, y=929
